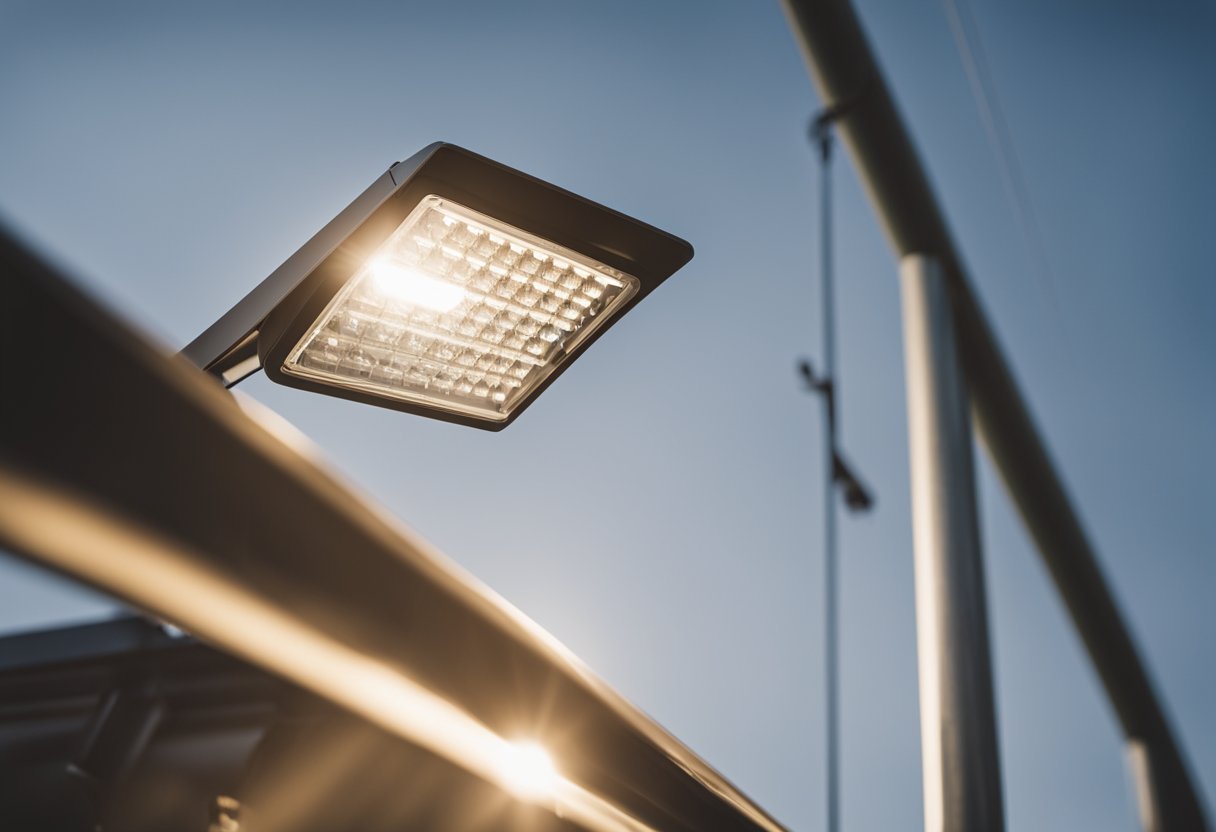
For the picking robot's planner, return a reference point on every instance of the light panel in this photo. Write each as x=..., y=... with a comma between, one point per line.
x=461, y=312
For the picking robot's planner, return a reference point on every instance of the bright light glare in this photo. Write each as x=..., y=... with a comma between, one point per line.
x=412, y=286
x=527, y=771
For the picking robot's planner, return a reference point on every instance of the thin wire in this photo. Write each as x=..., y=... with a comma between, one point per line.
x=971, y=50
x=831, y=613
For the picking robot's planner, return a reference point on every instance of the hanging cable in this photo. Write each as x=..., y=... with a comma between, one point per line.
x=837, y=473
x=996, y=129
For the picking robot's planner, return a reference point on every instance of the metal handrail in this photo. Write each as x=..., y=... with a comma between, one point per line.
x=134, y=471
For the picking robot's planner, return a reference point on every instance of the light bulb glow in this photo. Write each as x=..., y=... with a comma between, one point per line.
x=409, y=285
x=461, y=312
x=527, y=771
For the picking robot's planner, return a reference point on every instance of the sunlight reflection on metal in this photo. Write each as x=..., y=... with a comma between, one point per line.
x=91, y=543
x=527, y=770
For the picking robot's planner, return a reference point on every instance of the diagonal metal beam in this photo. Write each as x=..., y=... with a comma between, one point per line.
x=846, y=72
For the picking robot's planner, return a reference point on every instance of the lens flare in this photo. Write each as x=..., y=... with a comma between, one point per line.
x=527, y=771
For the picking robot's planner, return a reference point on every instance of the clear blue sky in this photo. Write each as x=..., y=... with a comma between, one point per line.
x=173, y=154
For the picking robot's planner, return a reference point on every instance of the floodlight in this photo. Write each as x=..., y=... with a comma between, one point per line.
x=454, y=287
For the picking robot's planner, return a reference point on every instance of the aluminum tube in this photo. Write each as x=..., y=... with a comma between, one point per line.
x=845, y=72
x=961, y=760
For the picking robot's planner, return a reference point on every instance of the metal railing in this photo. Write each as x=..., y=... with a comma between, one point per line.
x=135, y=472
x=846, y=73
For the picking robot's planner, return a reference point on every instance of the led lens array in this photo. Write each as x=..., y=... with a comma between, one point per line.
x=459, y=311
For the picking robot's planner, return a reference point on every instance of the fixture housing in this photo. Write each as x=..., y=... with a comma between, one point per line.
x=454, y=287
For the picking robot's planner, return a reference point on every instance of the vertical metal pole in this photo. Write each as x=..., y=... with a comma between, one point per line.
x=830, y=580
x=1144, y=782
x=961, y=763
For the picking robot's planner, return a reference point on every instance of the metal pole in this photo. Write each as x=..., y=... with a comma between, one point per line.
x=830, y=579
x=961, y=762
x=844, y=69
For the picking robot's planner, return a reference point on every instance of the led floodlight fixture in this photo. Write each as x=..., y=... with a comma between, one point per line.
x=460, y=312
x=454, y=287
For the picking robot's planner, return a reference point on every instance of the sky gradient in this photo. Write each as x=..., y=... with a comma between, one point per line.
x=658, y=509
